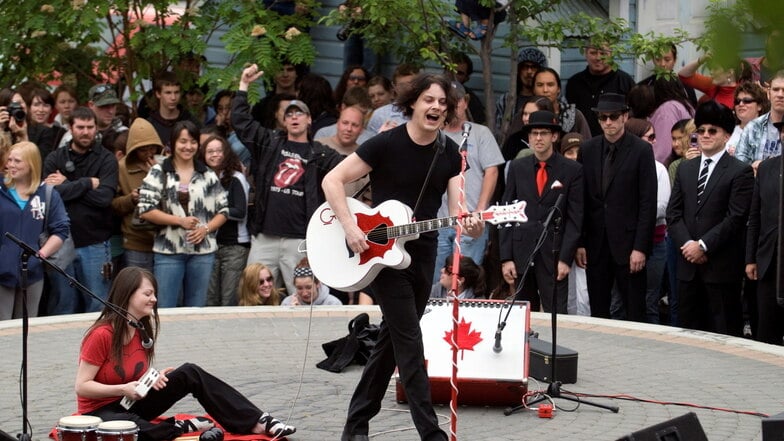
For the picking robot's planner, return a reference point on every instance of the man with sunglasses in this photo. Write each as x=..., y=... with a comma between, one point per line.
x=287, y=169
x=539, y=180
x=760, y=138
x=706, y=219
x=620, y=211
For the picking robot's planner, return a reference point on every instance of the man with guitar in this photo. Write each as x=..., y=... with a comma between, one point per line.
x=415, y=164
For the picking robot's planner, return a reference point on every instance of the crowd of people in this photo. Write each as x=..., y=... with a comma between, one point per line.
x=214, y=197
x=666, y=206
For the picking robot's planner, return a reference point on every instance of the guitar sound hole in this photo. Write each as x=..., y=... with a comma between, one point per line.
x=378, y=235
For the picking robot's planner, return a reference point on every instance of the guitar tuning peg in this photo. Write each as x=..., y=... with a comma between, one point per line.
x=499, y=226
x=515, y=201
x=508, y=225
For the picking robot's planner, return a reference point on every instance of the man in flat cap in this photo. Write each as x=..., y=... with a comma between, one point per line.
x=620, y=211
x=706, y=219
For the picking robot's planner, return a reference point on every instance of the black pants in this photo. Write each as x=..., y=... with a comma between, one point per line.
x=402, y=296
x=602, y=272
x=770, y=321
x=538, y=285
x=222, y=402
x=712, y=307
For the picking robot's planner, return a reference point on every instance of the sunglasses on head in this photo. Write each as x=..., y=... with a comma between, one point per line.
x=610, y=116
x=744, y=101
x=711, y=131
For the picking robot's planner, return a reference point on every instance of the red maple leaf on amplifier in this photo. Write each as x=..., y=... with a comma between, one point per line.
x=466, y=338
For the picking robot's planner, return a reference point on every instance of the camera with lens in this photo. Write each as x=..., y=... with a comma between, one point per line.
x=345, y=31
x=16, y=112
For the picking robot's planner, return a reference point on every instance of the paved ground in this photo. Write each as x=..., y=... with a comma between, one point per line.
x=262, y=351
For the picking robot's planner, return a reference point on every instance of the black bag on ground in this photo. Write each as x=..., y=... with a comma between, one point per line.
x=355, y=347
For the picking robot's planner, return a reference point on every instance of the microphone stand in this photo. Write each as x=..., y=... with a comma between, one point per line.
x=554, y=388
x=463, y=150
x=24, y=436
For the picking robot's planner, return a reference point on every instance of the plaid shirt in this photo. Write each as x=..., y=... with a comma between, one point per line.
x=754, y=143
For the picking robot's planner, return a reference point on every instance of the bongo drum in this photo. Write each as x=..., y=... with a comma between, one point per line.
x=119, y=430
x=78, y=428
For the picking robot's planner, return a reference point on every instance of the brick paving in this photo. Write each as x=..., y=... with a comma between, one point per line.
x=262, y=351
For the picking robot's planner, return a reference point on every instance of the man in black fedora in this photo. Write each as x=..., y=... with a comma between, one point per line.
x=706, y=218
x=620, y=211
x=762, y=242
x=539, y=180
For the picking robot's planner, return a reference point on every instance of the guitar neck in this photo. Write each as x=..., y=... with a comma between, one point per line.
x=425, y=226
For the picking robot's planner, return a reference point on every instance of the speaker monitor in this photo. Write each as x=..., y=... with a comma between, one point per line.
x=773, y=428
x=683, y=428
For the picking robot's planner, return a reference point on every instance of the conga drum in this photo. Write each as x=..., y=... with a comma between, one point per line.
x=118, y=430
x=78, y=428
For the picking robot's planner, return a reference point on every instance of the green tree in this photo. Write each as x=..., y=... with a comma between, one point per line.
x=128, y=41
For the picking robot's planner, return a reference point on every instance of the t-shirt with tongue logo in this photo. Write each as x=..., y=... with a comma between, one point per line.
x=285, y=215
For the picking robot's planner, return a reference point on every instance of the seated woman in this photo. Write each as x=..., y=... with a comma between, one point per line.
x=257, y=286
x=112, y=360
x=470, y=282
x=309, y=291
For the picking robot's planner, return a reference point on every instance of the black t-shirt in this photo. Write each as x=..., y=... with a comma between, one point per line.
x=286, y=214
x=400, y=167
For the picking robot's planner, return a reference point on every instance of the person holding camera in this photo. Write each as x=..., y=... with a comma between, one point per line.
x=85, y=175
x=13, y=121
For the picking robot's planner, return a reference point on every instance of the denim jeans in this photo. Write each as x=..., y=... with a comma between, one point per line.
x=141, y=259
x=63, y=298
x=226, y=274
x=656, y=263
x=469, y=247
x=186, y=273
x=88, y=270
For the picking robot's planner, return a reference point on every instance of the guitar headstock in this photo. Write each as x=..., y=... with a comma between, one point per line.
x=498, y=214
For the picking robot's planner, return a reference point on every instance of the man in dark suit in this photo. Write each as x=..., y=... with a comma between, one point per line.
x=620, y=211
x=539, y=180
x=762, y=243
x=706, y=218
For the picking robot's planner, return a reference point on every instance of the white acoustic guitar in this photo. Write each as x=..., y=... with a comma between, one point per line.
x=387, y=228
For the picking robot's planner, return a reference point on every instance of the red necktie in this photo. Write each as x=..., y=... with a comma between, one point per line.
x=541, y=177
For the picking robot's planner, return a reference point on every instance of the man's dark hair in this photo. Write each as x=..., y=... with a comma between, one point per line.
x=404, y=70
x=82, y=113
x=461, y=57
x=166, y=79
x=420, y=84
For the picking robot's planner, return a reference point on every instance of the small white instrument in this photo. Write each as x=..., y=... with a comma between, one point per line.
x=145, y=384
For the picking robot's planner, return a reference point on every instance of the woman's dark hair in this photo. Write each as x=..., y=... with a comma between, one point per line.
x=42, y=94
x=670, y=89
x=125, y=284
x=342, y=86
x=637, y=126
x=542, y=103
x=6, y=95
x=70, y=90
x=473, y=275
x=757, y=92
x=316, y=92
x=231, y=162
x=179, y=126
x=421, y=83
x=641, y=101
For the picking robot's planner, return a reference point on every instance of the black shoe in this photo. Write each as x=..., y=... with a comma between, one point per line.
x=214, y=434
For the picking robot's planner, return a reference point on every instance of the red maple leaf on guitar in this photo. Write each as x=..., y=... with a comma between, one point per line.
x=466, y=338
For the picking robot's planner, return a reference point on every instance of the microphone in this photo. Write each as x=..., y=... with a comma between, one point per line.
x=556, y=207
x=464, y=141
x=497, y=346
x=146, y=339
x=466, y=129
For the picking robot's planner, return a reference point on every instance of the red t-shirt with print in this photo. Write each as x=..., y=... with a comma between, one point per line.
x=97, y=350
